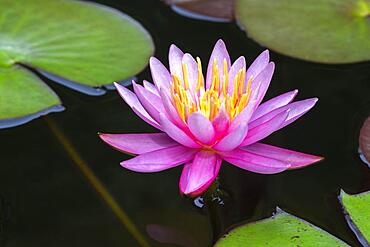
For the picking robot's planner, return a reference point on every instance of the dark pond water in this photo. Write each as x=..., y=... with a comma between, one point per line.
x=46, y=201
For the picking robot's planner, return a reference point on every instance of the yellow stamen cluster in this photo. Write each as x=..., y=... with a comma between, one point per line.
x=210, y=101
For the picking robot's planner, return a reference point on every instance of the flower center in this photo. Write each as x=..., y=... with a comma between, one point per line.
x=189, y=96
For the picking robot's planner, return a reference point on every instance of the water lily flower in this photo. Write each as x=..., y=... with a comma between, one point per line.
x=205, y=120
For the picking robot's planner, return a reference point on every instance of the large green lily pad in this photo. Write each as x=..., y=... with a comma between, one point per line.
x=282, y=229
x=81, y=42
x=327, y=31
x=357, y=210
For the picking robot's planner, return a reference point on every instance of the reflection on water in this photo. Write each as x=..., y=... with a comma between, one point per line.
x=4, y=219
x=190, y=14
x=53, y=205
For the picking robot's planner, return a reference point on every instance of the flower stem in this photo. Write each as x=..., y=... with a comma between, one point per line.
x=96, y=183
x=212, y=206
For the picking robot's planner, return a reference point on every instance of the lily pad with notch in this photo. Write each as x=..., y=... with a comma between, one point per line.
x=86, y=44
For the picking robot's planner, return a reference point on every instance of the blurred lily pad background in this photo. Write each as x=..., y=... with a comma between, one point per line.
x=324, y=31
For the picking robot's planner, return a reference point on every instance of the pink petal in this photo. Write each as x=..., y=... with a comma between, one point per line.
x=171, y=111
x=219, y=53
x=176, y=133
x=192, y=69
x=160, y=74
x=262, y=81
x=221, y=123
x=237, y=65
x=175, y=60
x=233, y=139
x=198, y=175
x=160, y=160
x=244, y=116
x=258, y=65
x=151, y=87
x=293, y=158
x=201, y=128
x=296, y=110
x=254, y=162
x=151, y=102
x=267, y=128
x=138, y=143
x=131, y=99
x=274, y=103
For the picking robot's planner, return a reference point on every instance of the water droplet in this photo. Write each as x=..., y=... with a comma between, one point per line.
x=199, y=202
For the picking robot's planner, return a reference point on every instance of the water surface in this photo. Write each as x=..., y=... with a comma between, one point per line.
x=45, y=201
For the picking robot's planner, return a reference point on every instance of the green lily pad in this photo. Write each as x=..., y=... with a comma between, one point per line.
x=357, y=210
x=282, y=229
x=71, y=41
x=23, y=93
x=327, y=31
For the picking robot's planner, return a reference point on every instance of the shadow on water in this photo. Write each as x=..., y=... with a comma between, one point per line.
x=53, y=205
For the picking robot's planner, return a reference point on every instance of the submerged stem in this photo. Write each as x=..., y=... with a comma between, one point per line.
x=212, y=205
x=96, y=183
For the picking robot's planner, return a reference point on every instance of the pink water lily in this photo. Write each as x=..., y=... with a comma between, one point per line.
x=206, y=121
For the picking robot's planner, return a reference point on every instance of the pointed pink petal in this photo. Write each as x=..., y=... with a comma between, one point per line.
x=198, y=175
x=243, y=117
x=171, y=111
x=267, y=128
x=221, y=123
x=237, y=65
x=296, y=110
x=151, y=102
x=201, y=128
x=233, y=139
x=138, y=143
x=160, y=160
x=274, y=103
x=192, y=68
x=160, y=74
x=131, y=99
x=262, y=81
x=219, y=53
x=254, y=162
x=293, y=158
x=175, y=57
x=151, y=87
x=176, y=133
x=258, y=65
